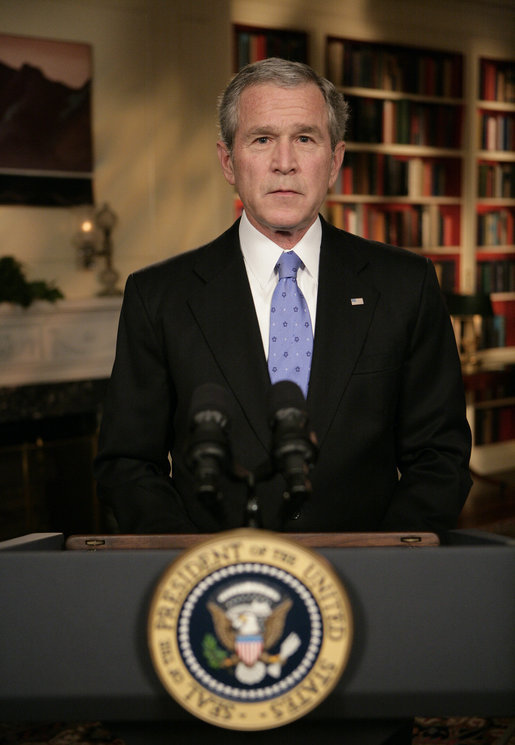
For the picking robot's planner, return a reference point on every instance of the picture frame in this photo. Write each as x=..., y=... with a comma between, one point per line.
x=46, y=147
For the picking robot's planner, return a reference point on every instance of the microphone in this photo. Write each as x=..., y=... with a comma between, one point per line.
x=293, y=444
x=208, y=453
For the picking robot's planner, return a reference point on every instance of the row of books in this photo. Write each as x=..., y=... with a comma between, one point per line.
x=496, y=276
x=409, y=226
x=402, y=69
x=382, y=174
x=497, y=81
x=496, y=180
x=496, y=228
x=497, y=132
x=253, y=46
x=405, y=122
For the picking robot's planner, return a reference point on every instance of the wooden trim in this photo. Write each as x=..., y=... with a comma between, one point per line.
x=313, y=540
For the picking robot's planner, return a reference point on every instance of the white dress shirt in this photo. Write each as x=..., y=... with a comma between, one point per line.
x=261, y=256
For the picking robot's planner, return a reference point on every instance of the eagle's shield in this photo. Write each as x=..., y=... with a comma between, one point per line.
x=249, y=648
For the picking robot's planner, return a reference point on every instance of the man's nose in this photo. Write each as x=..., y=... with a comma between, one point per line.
x=285, y=159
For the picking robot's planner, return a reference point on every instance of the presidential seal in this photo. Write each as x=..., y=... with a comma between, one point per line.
x=249, y=630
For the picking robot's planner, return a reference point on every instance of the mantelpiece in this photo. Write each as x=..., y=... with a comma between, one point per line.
x=54, y=342
x=54, y=362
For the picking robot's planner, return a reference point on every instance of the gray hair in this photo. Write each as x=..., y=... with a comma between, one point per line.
x=286, y=74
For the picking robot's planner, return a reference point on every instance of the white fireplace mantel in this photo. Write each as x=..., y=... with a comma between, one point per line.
x=54, y=342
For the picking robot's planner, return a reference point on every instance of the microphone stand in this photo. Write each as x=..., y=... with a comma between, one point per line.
x=293, y=497
x=252, y=516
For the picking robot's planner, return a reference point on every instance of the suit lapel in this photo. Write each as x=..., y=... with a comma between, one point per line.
x=345, y=306
x=224, y=309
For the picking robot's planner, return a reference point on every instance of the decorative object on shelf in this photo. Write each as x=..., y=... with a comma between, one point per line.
x=95, y=239
x=468, y=313
x=15, y=288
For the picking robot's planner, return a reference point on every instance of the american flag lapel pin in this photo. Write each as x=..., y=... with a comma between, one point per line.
x=357, y=301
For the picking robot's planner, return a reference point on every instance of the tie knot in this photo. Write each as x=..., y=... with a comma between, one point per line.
x=288, y=264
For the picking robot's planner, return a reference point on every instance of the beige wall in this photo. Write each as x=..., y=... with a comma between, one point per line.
x=158, y=68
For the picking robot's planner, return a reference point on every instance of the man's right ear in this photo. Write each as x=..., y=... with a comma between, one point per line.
x=224, y=156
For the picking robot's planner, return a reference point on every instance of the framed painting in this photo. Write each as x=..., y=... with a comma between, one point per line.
x=46, y=150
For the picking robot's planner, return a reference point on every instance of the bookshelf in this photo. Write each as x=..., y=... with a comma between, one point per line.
x=401, y=181
x=431, y=169
x=492, y=408
x=491, y=205
x=494, y=188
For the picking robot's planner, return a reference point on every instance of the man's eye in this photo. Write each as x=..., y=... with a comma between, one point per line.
x=262, y=140
x=305, y=138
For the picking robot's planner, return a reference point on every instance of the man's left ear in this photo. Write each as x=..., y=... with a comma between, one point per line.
x=338, y=153
x=224, y=156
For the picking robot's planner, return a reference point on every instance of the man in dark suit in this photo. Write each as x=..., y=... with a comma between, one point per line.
x=385, y=396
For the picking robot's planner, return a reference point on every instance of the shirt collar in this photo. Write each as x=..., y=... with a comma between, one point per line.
x=261, y=254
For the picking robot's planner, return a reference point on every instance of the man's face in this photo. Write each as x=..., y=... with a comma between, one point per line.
x=282, y=163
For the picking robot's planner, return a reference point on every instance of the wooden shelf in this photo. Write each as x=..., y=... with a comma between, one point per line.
x=393, y=148
x=393, y=199
x=496, y=106
x=497, y=155
x=387, y=95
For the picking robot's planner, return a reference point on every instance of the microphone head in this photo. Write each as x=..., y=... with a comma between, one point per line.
x=210, y=401
x=285, y=395
x=293, y=450
x=207, y=448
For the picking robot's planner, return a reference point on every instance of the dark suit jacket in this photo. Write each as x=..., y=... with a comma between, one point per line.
x=385, y=397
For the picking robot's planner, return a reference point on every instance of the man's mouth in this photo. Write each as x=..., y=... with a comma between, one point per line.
x=285, y=192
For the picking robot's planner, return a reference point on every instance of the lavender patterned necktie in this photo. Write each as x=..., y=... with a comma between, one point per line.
x=291, y=336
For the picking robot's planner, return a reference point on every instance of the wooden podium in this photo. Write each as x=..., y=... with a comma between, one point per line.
x=434, y=627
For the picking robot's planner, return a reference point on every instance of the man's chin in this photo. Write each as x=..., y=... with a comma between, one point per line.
x=281, y=223
x=285, y=221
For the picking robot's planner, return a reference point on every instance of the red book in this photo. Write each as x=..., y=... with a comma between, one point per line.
x=488, y=89
x=261, y=47
x=347, y=179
